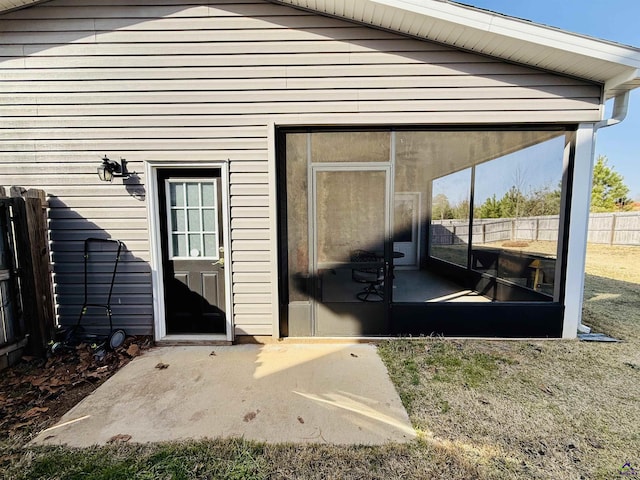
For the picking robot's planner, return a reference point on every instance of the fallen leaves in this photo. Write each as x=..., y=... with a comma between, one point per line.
x=36, y=391
x=120, y=438
x=133, y=350
x=34, y=412
x=36, y=382
x=250, y=416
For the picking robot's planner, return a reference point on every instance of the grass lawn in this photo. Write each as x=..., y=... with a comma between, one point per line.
x=484, y=410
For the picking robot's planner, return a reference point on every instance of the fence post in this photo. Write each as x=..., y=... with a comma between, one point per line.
x=537, y=228
x=33, y=263
x=612, y=235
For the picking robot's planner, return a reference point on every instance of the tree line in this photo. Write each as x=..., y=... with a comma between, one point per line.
x=609, y=194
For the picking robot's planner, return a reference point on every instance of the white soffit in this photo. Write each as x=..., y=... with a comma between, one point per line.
x=512, y=39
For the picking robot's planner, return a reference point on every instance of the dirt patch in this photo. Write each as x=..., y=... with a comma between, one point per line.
x=35, y=393
x=616, y=262
x=515, y=243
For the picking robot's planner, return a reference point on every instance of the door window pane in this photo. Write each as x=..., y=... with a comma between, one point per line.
x=194, y=220
x=179, y=245
x=178, y=221
x=208, y=195
x=210, y=245
x=195, y=246
x=209, y=220
x=193, y=225
x=176, y=194
x=193, y=195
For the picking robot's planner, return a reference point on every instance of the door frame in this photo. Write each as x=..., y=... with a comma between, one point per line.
x=155, y=236
x=416, y=199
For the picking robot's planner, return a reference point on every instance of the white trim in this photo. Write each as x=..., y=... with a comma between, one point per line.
x=578, y=228
x=153, y=212
x=151, y=170
x=195, y=337
x=416, y=199
x=316, y=265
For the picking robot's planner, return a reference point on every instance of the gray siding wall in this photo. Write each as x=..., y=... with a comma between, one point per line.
x=184, y=80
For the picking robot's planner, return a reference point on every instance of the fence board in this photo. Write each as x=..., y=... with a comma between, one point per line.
x=616, y=228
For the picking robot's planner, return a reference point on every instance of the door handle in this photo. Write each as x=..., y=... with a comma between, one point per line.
x=219, y=262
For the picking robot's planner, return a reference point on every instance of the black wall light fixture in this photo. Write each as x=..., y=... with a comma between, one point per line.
x=110, y=169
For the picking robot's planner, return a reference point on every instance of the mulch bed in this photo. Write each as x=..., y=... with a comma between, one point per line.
x=36, y=392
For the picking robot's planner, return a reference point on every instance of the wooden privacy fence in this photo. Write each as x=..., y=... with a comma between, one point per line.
x=619, y=228
x=27, y=309
x=615, y=228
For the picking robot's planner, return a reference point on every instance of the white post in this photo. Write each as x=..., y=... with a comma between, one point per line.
x=578, y=228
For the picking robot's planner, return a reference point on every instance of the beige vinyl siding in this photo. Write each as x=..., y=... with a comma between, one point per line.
x=189, y=81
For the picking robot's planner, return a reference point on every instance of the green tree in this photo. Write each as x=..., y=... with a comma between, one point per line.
x=460, y=210
x=512, y=204
x=609, y=192
x=441, y=207
x=489, y=209
x=543, y=201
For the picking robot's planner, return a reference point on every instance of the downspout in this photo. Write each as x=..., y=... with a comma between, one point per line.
x=620, y=109
x=619, y=113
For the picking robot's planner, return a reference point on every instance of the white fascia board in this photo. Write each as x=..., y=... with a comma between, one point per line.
x=566, y=42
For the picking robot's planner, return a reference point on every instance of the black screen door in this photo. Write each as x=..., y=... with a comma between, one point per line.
x=352, y=261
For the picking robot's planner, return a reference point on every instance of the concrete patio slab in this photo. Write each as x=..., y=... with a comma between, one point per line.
x=336, y=393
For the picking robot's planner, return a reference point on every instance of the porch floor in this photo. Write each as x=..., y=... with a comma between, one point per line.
x=409, y=286
x=424, y=286
x=327, y=393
